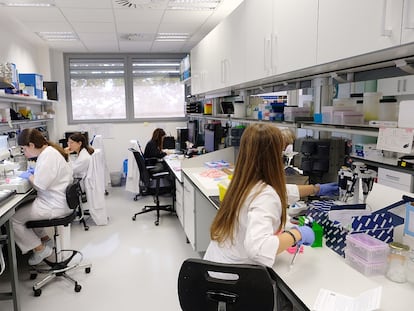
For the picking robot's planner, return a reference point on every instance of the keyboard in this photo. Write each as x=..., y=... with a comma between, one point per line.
x=6, y=195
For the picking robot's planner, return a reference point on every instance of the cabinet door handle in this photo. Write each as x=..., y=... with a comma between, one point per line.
x=386, y=30
x=274, y=54
x=404, y=85
x=398, y=85
x=267, y=50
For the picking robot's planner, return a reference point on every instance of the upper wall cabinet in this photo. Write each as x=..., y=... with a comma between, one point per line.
x=295, y=34
x=407, y=34
x=218, y=60
x=280, y=37
x=354, y=27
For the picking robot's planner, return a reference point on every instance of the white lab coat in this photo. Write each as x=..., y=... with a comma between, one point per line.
x=52, y=175
x=97, y=143
x=255, y=241
x=80, y=163
x=132, y=181
x=95, y=188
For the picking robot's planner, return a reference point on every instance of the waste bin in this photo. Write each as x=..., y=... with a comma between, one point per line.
x=116, y=179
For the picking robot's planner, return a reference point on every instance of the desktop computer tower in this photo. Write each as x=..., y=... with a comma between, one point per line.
x=182, y=137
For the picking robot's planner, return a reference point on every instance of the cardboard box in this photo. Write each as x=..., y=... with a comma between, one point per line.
x=33, y=80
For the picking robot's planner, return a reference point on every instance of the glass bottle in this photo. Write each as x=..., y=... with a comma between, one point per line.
x=410, y=267
x=397, y=258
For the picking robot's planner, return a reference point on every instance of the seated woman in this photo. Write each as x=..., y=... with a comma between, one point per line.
x=153, y=149
x=80, y=154
x=50, y=178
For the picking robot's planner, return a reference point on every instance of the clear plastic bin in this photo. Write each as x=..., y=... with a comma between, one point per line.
x=348, y=117
x=366, y=268
x=367, y=247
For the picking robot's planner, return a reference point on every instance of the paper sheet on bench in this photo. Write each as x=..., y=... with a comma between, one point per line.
x=330, y=301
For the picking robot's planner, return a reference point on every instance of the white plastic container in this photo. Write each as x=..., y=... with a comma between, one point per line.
x=371, y=105
x=328, y=112
x=348, y=117
x=388, y=110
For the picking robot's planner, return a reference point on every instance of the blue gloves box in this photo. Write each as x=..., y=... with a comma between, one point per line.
x=378, y=224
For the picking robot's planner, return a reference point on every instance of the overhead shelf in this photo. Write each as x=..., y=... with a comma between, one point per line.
x=346, y=129
x=16, y=99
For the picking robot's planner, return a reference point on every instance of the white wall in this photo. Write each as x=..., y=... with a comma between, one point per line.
x=29, y=56
x=116, y=135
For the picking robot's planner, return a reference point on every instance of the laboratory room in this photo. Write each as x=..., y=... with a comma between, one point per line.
x=190, y=149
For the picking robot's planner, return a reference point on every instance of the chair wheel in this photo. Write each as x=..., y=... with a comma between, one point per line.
x=156, y=222
x=133, y=218
x=37, y=292
x=33, y=276
x=88, y=270
x=135, y=199
x=78, y=288
x=86, y=228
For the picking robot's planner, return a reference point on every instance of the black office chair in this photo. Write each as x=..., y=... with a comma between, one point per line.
x=252, y=289
x=151, y=180
x=64, y=260
x=83, y=214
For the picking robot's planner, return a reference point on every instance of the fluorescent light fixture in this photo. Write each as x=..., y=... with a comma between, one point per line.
x=165, y=36
x=57, y=36
x=193, y=4
x=28, y=3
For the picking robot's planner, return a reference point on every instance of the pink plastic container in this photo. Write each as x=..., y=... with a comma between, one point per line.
x=367, y=247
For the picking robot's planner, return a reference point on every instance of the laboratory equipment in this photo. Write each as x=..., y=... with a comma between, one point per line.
x=350, y=180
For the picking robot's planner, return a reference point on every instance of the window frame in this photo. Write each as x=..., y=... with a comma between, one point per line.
x=128, y=59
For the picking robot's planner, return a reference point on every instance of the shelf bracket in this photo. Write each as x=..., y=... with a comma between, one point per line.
x=343, y=78
x=404, y=66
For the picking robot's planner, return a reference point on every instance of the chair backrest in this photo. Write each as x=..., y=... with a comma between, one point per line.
x=254, y=288
x=144, y=175
x=73, y=192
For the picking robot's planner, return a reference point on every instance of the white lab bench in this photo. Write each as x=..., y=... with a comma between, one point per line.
x=315, y=268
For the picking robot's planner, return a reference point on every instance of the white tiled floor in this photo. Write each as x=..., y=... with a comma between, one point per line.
x=135, y=263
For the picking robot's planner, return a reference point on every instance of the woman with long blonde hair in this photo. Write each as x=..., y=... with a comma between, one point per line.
x=248, y=227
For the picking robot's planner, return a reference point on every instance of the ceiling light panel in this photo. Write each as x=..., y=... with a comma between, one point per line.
x=190, y=5
x=57, y=36
x=28, y=3
x=164, y=36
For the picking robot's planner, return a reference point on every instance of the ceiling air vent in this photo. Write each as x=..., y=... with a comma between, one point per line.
x=140, y=4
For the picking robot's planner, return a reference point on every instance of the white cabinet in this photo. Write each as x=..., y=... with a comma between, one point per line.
x=294, y=34
x=396, y=86
x=258, y=19
x=198, y=213
x=354, y=27
x=179, y=201
x=407, y=34
x=280, y=37
x=189, y=211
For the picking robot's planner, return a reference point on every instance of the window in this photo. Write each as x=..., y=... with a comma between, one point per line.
x=98, y=88
x=157, y=88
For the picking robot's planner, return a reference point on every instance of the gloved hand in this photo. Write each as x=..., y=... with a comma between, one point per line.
x=30, y=170
x=328, y=190
x=26, y=175
x=307, y=235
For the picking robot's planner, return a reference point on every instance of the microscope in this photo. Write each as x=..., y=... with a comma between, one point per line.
x=351, y=180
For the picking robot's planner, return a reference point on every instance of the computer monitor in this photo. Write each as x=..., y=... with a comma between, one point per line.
x=192, y=132
x=209, y=140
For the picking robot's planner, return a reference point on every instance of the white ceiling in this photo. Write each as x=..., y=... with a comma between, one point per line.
x=103, y=26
